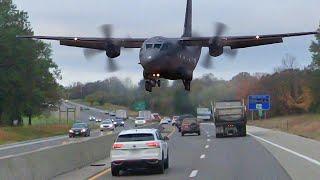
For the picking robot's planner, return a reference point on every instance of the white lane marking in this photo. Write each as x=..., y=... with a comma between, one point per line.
x=288, y=150
x=207, y=146
x=208, y=135
x=31, y=143
x=208, y=140
x=202, y=156
x=193, y=173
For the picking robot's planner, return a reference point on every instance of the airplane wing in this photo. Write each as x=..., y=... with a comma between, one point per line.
x=236, y=42
x=92, y=43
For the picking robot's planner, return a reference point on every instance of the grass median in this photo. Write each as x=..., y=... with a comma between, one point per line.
x=306, y=125
x=41, y=127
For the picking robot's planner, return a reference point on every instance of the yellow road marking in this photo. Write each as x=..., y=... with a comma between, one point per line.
x=107, y=171
x=104, y=172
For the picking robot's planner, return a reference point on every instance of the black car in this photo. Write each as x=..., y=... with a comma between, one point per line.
x=79, y=129
x=118, y=122
x=180, y=119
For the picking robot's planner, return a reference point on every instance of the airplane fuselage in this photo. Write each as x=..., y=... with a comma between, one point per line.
x=163, y=57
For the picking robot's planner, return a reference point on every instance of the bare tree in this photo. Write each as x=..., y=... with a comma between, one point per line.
x=288, y=62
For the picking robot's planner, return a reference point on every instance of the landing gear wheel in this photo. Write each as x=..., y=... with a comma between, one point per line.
x=148, y=86
x=158, y=83
x=187, y=85
x=114, y=171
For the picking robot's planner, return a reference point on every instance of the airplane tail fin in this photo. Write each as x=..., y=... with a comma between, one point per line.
x=187, y=31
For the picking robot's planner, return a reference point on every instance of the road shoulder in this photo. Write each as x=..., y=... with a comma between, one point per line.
x=298, y=155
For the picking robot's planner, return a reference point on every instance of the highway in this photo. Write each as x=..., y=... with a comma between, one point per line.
x=26, y=146
x=205, y=157
x=263, y=154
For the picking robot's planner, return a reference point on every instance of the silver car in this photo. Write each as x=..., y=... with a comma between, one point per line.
x=107, y=125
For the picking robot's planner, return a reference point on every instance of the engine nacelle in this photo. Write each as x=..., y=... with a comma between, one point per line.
x=113, y=51
x=215, y=51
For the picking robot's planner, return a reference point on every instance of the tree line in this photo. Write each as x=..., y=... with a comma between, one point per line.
x=27, y=73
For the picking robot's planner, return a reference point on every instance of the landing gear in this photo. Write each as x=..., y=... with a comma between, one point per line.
x=158, y=82
x=149, y=84
x=187, y=84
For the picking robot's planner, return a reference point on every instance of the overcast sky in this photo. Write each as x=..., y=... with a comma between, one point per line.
x=147, y=18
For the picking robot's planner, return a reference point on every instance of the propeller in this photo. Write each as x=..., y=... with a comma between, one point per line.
x=111, y=65
x=220, y=29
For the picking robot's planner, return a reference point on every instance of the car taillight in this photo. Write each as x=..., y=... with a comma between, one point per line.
x=117, y=146
x=153, y=144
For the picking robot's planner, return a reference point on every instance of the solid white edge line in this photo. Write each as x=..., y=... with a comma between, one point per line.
x=288, y=150
x=202, y=156
x=193, y=173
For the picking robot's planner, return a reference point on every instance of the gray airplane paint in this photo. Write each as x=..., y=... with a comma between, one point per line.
x=171, y=60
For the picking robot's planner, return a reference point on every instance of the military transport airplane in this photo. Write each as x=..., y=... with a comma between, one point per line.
x=170, y=58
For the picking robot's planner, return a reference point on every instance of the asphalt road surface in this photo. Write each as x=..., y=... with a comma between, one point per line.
x=26, y=146
x=205, y=157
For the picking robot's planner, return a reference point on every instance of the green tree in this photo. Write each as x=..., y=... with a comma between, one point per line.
x=28, y=74
x=315, y=50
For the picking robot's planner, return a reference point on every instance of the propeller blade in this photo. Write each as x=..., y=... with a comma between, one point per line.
x=111, y=65
x=207, y=62
x=220, y=29
x=90, y=53
x=106, y=29
x=230, y=52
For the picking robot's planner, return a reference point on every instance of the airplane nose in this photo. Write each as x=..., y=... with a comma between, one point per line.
x=148, y=59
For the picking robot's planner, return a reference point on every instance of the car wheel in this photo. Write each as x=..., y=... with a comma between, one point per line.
x=114, y=171
x=182, y=134
x=179, y=129
x=70, y=136
x=166, y=164
x=199, y=133
x=161, y=166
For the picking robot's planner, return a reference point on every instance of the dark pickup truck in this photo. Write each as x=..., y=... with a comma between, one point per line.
x=230, y=118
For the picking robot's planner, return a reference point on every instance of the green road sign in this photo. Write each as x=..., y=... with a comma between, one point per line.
x=139, y=106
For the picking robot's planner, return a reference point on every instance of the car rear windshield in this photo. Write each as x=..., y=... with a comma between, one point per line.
x=135, y=137
x=189, y=121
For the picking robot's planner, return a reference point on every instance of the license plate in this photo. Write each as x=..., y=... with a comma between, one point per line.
x=77, y=133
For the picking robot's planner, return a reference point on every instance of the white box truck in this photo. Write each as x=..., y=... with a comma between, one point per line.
x=121, y=113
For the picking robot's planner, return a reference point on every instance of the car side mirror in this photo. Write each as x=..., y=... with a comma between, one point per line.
x=166, y=138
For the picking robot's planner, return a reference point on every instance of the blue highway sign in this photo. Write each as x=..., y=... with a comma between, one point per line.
x=259, y=102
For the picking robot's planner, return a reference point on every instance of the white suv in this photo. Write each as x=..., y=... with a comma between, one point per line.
x=139, y=149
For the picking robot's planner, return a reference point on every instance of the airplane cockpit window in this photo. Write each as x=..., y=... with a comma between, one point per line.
x=148, y=46
x=157, y=46
x=165, y=46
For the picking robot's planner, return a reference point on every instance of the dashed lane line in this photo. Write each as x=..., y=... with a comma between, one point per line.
x=207, y=146
x=193, y=173
x=202, y=156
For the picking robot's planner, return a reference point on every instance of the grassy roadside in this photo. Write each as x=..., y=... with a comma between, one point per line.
x=41, y=127
x=24, y=133
x=306, y=125
x=107, y=106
